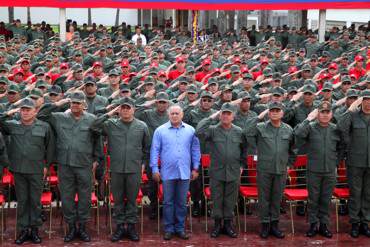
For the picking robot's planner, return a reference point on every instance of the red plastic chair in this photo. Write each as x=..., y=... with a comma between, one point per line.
x=46, y=202
x=205, y=162
x=342, y=192
x=293, y=194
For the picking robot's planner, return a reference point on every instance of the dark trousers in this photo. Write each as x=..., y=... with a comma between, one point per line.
x=28, y=189
x=125, y=188
x=224, y=195
x=75, y=180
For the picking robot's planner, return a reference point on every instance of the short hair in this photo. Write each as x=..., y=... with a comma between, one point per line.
x=174, y=106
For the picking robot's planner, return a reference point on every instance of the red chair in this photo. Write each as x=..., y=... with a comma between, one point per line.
x=2, y=203
x=46, y=202
x=94, y=205
x=293, y=194
x=249, y=190
x=8, y=181
x=342, y=191
x=206, y=163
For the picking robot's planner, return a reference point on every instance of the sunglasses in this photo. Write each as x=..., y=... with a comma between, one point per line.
x=207, y=100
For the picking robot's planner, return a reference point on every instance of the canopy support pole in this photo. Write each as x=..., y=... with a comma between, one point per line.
x=322, y=24
x=62, y=24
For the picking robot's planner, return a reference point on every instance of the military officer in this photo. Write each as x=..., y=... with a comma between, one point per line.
x=78, y=151
x=228, y=152
x=129, y=146
x=274, y=143
x=325, y=150
x=355, y=124
x=31, y=149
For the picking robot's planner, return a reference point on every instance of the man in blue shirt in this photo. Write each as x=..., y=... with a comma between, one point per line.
x=178, y=148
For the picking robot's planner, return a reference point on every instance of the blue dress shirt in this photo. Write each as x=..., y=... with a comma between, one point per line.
x=177, y=149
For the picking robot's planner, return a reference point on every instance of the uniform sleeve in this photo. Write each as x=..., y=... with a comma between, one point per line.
x=50, y=146
x=244, y=151
x=146, y=146
x=155, y=151
x=301, y=133
x=100, y=125
x=4, y=124
x=251, y=132
x=46, y=113
x=344, y=125
x=204, y=130
x=292, y=152
x=4, y=161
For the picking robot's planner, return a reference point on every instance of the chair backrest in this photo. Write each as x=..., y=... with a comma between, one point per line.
x=297, y=173
x=342, y=174
x=206, y=164
x=249, y=175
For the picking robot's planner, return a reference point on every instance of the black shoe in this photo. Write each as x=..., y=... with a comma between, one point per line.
x=275, y=231
x=196, y=210
x=167, y=236
x=43, y=216
x=182, y=235
x=343, y=210
x=35, y=238
x=71, y=234
x=216, y=231
x=300, y=211
x=265, y=230
x=229, y=229
x=364, y=230
x=132, y=233
x=23, y=237
x=324, y=231
x=118, y=234
x=312, y=231
x=355, y=230
x=84, y=236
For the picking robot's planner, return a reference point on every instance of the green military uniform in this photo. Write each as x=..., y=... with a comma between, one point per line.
x=128, y=147
x=77, y=149
x=356, y=130
x=275, y=151
x=228, y=153
x=325, y=150
x=31, y=149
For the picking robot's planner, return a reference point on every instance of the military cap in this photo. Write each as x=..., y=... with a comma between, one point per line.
x=346, y=78
x=190, y=69
x=77, y=68
x=314, y=57
x=367, y=79
x=365, y=94
x=13, y=88
x=3, y=68
x=227, y=107
x=212, y=81
x=127, y=101
x=292, y=54
x=306, y=67
x=55, y=89
x=40, y=71
x=35, y=93
x=192, y=89
x=226, y=87
x=247, y=76
x=292, y=89
x=234, y=68
x=123, y=87
x=328, y=86
x=244, y=95
x=27, y=103
x=4, y=80
x=352, y=93
x=183, y=79
x=41, y=83
x=325, y=54
x=206, y=94
x=77, y=96
x=77, y=53
x=160, y=87
x=149, y=80
x=309, y=88
x=278, y=91
x=344, y=71
x=276, y=76
x=113, y=72
x=275, y=105
x=89, y=80
x=324, y=106
x=162, y=96
x=267, y=72
x=153, y=70
x=48, y=58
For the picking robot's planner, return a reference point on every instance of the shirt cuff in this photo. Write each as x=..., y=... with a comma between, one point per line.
x=155, y=169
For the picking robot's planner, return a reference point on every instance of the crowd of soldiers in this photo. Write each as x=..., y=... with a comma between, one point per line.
x=274, y=93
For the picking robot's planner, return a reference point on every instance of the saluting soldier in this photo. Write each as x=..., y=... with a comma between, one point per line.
x=228, y=153
x=77, y=152
x=129, y=147
x=324, y=151
x=355, y=124
x=274, y=143
x=31, y=149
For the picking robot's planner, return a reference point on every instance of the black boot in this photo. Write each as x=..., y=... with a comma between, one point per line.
x=35, y=238
x=229, y=229
x=364, y=230
x=355, y=230
x=275, y=231
x=119, y=233
x=131, y=233
x=84, y=236
x=324, y=231
x=23, y=236
x=312, y=231
x=71, y=234
x=196, y=209
x=216, y=231
x=265, y=230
